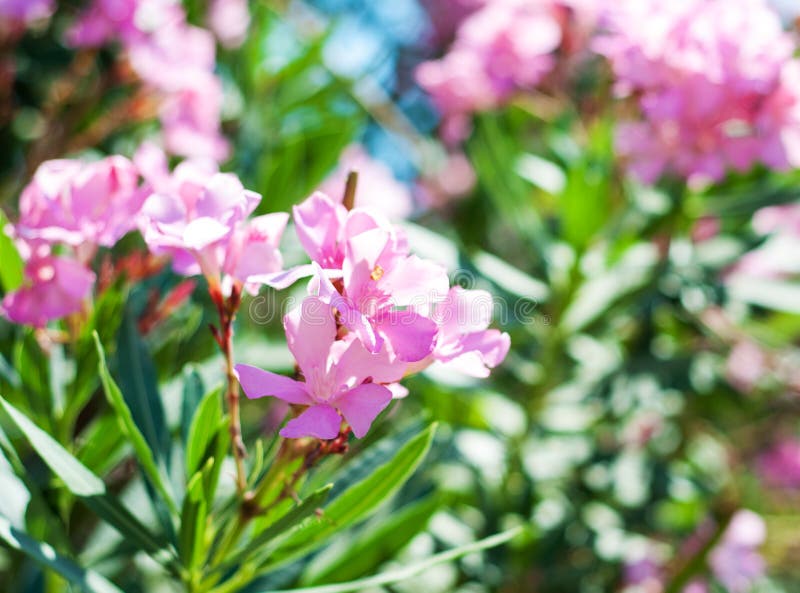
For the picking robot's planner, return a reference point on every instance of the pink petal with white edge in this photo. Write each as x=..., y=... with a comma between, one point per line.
x=360, y=406
x=257, y=382
x=310, y=331
x=320, y=421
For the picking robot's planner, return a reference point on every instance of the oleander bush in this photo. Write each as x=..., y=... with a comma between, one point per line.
x=460, y=296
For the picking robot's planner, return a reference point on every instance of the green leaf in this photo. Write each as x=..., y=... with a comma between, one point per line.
x=193, y=391
x=258, y=544
x=193, y=521
x=373, y=545
x=87, y=580
x=407, y=572
x=11, y=271
x=137, y=381
x=86, y=485
x=359, y=501
x=144, y=454
x=204, y=427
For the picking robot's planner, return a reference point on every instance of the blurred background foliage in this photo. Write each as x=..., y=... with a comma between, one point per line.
x=618, y=423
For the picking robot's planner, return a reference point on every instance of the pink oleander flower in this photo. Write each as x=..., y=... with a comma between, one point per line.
x=229, y=19
x=53, y=288
x=735, y=561
x=780, y=465
x=377, y=188
x=464, y=342
x=26, y=11
x=503, y=47
x=715, y=82
x=126, y=20
x=172, y=57
x=341, y=379
x=82, y=204
x=199, y=217
x=382, y=290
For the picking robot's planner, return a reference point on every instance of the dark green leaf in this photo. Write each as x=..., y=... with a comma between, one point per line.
x=87, y=580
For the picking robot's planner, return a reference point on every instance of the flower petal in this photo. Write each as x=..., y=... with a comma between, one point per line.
x=410, y=335
x=360, y=406
x=257, y=382
x=320, y=421
x=310, y=331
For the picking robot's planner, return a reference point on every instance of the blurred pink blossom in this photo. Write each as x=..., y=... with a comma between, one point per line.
x=735, y=561
x=777, y=256
x=779, y=466
x=716, y=84
x=82, y=204
x=26, y=11
x=502, y=47
x=229, y=20
x=53, y=287
x=174, y=58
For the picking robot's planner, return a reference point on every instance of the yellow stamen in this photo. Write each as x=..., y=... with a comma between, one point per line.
x=377, y=273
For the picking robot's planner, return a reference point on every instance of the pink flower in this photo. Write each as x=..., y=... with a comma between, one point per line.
x=26, y=11
x=174, y=58
x=80, y=204
x=716, y=86
x=382, y=289
x=53, y=287
x=341, y=379
x=780, y=465
x=501, y=48
x=199, y=217
x=126, y=20
x=735, y=561
x=229, y=19
x=464, y=342
x=377, y=188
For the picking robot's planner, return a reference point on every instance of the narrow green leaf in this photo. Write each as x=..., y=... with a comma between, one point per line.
x=11, y=272
x=139, y=386
x=359, y=501
x=87, y=580
x=372, y=546
x=193, y=522
x=193, y=391
x=204, y=426
x=144, y=454
x=407, y=572
x=258, y=544
x=86, y=485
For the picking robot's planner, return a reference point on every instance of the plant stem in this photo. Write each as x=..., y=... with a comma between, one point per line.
x=226, y=308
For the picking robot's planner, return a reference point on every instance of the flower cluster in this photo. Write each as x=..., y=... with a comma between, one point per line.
x=199, y=217
x=195, y=215
x=715, y=82
x=175, y=59
x=375, y=314
x=500, y=49
x=69, y=209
